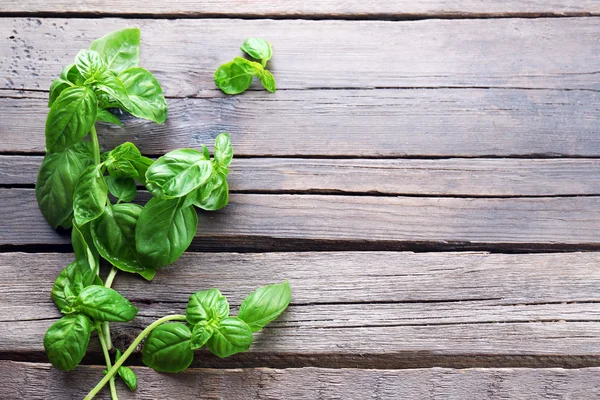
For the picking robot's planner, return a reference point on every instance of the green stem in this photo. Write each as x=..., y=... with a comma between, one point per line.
x=95, y=144
x=113, y=388
x=111, y=277
x=131, y=349
x=106, y=325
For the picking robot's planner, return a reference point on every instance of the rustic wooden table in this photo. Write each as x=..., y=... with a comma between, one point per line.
x=427, y=177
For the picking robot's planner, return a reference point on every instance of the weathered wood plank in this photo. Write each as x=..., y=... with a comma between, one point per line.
x=455, y=177
x=316, y=222
x=364, y=309
x=184, y=53
x=349, y=123
x=41, y=381
x=310, y=9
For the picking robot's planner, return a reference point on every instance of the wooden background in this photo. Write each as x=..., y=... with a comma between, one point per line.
x=427, y=176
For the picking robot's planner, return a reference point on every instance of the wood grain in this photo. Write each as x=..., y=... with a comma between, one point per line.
x=41, y=381
x=184, y=53
x=348, y=123
x=383, y=310
x=316, y=222
x=444, y=177
x=308, y=9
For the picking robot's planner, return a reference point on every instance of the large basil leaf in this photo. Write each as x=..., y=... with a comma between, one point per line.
x=167, y=348
x=231, y=336
x=56, y=181
x=66, y=341
x=70, y=282
x=90, y=64
x=114, y=236
x=90, y=194
x=259, y=49
x=120, y=49
x=164, y=231
x=123, y=189
x=145, y=95
x=264, y=305
x=207, y=306
x=211, y=196
x=104, y=304
x=233, y=78
x=179, y=172
x=56, y=88
x=71, y=117
x=84, y=248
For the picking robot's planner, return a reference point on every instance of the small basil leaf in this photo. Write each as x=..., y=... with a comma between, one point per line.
x=207, y=306
x=120, y=49
x=70, y=118
x=89, y=63
x=145, y=95
x=211, y=196
x=264, y=305
x=104, y=304
x=56, y=88
x=126, y=374
x=179, y=172
x=71, y=73
x=164, y=231
x=223, y=150
x=119, y=161
x=114, y=236
x=200, y=335
x=70, y=282
x=232, y=78
x=66, y=341
x=90, y=194
x=167, y=348
x=56, y=182
x=259, y=49
x=114, y=88
x=268, y=81
x=123, y=189
x=231, y=336
x=248, y=66
x=141, y=165
x=106, y=116
x=84, y=248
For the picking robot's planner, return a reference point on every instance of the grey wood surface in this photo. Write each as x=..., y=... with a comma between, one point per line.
x=309, y=9
x=476, y=177
x=557, y=53
x=266, y=222
x=402, y=310
x=347, y=123
x=41, y=381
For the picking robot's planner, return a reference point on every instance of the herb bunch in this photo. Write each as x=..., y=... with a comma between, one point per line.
x=236, y=76
x=91, y=192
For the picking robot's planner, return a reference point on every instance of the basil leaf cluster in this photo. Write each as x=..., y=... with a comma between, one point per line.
x=236, y=76
x=170, y=347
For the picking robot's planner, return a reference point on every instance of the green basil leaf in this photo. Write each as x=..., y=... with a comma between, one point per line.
x=71, y=73
x=208, y=306
x=231, y=336
x=126, y=373
x=142, y=165
x=145, y=95
x=125, y=151
x=112, y=86
x=120, y=49
x=211, y=196
x=56, y=88
x=200, y=335
x=232, y=78
x=66, y=341
x=106, y=116
x=70, y=282
x=89, y=63
x=70, y=118
x=264, y=305
x=123, y=189
x=223, y=150
x=250, y=67
x=84, y=248
x=179, y=172
x=164, y=231
x=104, y=304
x=268, y=81
x=114, y=236
x=167, y=348
x=56, y=181
x=205, y=152
x=89, y=196
x=120, y=161
x=259, y=49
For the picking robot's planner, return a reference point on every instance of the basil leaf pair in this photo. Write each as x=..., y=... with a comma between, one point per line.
x=70, y=283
